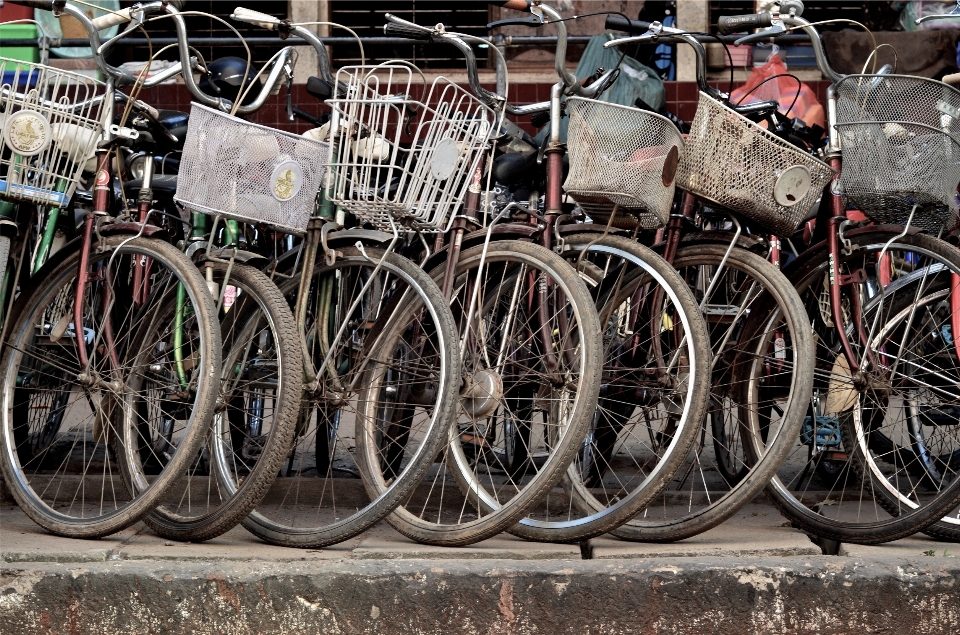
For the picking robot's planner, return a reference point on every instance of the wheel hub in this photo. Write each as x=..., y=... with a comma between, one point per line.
x=482, y=393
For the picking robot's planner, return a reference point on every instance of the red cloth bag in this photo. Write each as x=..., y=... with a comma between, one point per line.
x=783, y=90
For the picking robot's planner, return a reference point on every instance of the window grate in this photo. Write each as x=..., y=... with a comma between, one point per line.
x=367, y=19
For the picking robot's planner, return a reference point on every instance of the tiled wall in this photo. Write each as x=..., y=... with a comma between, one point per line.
x=681, y=100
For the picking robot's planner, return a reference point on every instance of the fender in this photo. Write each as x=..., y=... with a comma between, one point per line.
x=749, y=242
x=801, y=262
x=501, y=231
x=348, y=237
x=129, y=227
x=589, y=228
x=335, y=239
x=246, y=257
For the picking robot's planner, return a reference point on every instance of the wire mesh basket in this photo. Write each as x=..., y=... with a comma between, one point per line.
x=621, y=156
x=249, y=172
x=401, y=157
x=900, y=137
x=735, y=163
x=50, y=122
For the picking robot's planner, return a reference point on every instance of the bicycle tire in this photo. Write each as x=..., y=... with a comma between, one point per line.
x=306, y=516
x=109, y=427
x=875, y=513
x=628, y=459
x=500, y=384
x=709, y=501
x=258, y=333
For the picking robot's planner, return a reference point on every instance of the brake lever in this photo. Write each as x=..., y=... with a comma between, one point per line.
x=290, y=116
x=532, y=21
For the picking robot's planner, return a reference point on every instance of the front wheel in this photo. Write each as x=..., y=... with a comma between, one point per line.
x=530, y=340
x=383, y=340
x=653, y=393
x=895, y=423
x=259, y=400
x=92, y=466
x=759, y=384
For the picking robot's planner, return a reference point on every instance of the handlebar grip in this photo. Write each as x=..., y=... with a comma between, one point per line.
x=398, y=30
x=952, y=79
x=108, y=20
x=620, y=23
x=517, y=5
x=736, y=23
x=36, y=4
x=268, y=22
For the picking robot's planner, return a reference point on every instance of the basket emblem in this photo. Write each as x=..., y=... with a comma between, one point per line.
x=670, y=167
x=27, y=133
x=444, y=160
x=286, y=181
x=792, y=186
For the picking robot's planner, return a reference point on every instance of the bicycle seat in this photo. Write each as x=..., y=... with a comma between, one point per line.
x=165, y=184
x=175, y=122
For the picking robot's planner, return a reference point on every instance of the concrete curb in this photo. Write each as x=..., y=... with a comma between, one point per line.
x=810, y=594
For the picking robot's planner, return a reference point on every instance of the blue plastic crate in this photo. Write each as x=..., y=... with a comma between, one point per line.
x=26, y=78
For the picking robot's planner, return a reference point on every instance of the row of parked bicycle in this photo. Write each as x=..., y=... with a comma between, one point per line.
x=417, y=312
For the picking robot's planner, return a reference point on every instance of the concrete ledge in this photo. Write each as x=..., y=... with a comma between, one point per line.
x=816, y=594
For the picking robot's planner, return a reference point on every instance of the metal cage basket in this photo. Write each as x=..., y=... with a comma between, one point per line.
x=900, y=137
x=249, y=172
x=621, y=156
x=50, y=123
x=403, y=158
x=735, y=163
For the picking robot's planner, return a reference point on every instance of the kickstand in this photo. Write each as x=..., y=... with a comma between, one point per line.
x=828, y=546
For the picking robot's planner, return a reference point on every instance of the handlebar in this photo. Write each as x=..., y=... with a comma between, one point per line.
x=405, y=29
x=656, y=32
x=46, y=5
x=620, y=23
x=285, y=28
x=401, y=30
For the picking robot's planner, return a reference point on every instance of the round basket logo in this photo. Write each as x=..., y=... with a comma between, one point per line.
x=286, y=181
x=27, y=132
x=792, y=185
x=444, y=160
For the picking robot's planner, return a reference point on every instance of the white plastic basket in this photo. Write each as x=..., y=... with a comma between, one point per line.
x=621, y=156
x=735, y=163
x=50, y=123
x=403, y=157
x=249, y=172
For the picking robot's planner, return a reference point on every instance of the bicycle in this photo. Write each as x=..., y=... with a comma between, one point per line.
x=863, y=285
x=103, y=318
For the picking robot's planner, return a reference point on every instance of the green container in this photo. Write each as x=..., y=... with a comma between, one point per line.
x=19, y=31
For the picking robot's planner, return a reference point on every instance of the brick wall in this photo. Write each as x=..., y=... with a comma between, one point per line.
x=681, y=100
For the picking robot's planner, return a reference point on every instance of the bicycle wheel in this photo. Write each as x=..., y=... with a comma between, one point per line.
x=93, y=467
x=895, y=422
x=653, y=394
x=370, y=427
x=260, y=388
x=531, y=355
x=761, y=356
